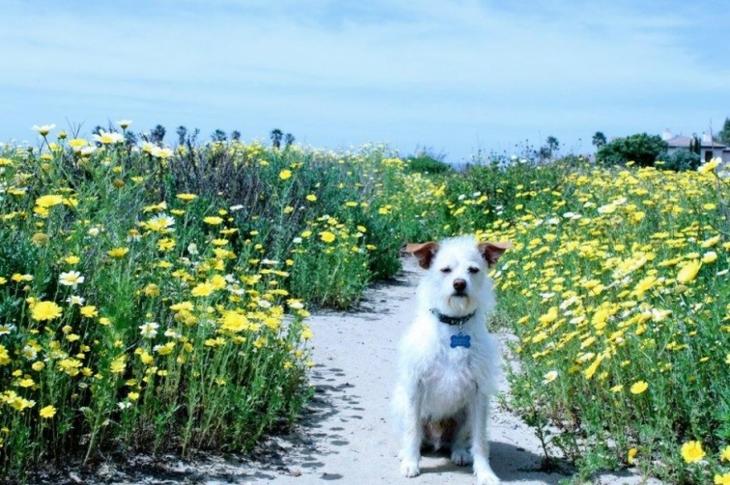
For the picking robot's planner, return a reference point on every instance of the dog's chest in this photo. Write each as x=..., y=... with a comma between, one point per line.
x=450, y=381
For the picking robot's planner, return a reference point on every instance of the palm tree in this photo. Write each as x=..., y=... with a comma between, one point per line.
x=157, y=134
x=219, y=135
x=288, y=140
x=553, y=144
x=275, y=136
x=181, y=132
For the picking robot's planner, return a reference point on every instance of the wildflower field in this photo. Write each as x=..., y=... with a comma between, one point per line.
x=155, y=299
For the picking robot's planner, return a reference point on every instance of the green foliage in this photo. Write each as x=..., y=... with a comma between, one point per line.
x=640, y=148
x=679, y=160
x=599, y=139
x=424, y=162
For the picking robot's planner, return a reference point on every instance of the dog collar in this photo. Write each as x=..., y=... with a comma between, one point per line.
x=452, y=320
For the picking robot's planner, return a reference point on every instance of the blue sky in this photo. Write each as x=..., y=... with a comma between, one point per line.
x=456, y=76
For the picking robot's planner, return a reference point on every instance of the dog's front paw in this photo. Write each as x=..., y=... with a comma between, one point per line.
x=409, y=468
x=461, y=457
x=487, y=477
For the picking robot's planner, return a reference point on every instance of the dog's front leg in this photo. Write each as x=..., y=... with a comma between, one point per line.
x=480, y=441
x=412, y=430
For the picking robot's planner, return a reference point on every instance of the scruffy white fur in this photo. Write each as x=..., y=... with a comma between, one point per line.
x=439, y=384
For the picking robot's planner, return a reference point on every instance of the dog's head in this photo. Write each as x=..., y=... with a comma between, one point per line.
x=457, y=282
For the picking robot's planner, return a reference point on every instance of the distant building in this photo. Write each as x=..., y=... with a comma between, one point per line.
x=709, y=149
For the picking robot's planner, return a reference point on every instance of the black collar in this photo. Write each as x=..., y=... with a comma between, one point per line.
x=452, y=320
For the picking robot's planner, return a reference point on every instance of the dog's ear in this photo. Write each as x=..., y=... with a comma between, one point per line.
x=491, y=251
x=424, y=252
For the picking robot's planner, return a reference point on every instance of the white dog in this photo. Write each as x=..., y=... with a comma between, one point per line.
x=449, y=363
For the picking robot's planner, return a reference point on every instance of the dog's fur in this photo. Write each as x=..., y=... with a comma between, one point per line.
x=442, y=395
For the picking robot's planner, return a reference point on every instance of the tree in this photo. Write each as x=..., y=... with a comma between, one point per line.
x=681, y=160
x=550, y=148
x=553, y=145
x=157, y=134
x=724, y=134
x=236, y=135
x=275, y=136
x=288, y=140
x=599, y=139
x=640, y=148
x=695, y=144
x=219, y=136
x=181, y=132
x=544, y=153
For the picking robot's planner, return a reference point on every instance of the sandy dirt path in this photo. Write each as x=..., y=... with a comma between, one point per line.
x=346, y=436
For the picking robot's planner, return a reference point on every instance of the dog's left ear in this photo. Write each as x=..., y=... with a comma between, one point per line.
x=424, y=252
x=491, y=251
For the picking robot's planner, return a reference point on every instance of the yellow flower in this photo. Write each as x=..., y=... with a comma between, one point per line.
x=45, y=310
x=186, y=197
x=327, y=237
x=213, y=220
x=285, y=174
x=118, y=365
x=46, y=201
x=688, y=272
x=89, y=311
x=723, y=479
x=234, y=321
x=203, y=289
x=709, y=257
x=549, y=317
x=709, y=166
x=47, y=412
x=631, y=455
x=692, y=451
x=312, y=198
x=117, y=253
x=639, y=387
x=725, y=454
x=77, y=143
x=708, y=243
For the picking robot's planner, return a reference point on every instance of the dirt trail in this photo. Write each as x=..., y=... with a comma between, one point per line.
x=346, y=436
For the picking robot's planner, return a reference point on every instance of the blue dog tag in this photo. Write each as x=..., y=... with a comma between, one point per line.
x=460, y=340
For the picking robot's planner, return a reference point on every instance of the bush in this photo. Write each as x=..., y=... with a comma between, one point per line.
x=679, y=160
x=641, y=149
x=424, y=162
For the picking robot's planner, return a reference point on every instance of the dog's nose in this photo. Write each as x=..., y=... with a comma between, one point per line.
x=459, y=284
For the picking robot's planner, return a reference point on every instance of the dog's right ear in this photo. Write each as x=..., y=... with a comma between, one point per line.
x=424, y=252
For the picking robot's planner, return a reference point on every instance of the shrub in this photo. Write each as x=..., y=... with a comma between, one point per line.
x=679, y=160
x=424, y=162
x=641, y=149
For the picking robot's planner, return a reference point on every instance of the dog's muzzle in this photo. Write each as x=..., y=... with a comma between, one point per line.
x=459, y=288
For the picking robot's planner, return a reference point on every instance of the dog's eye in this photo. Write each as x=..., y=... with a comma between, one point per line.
x=473, y=269
x=446, y=270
